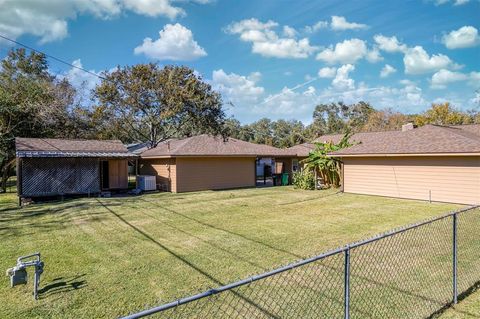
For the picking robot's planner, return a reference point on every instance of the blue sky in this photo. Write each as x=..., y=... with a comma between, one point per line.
x=272, y=58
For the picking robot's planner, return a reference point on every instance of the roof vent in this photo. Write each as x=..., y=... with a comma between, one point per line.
x=407, y=127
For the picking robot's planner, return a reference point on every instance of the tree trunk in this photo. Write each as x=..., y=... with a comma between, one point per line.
x=3, y=187
x=5, y=166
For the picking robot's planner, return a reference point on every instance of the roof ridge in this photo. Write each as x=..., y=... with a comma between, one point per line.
x=460, y=132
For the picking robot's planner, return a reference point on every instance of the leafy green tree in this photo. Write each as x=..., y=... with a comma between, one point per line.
x=262, y=131
x=385, y=120
x=233, y=128
x=357, y=115
x=328, y=118
x=443, y=114
x=287, y=133
x=338, y=117
x=33, y=103
x=153, y=104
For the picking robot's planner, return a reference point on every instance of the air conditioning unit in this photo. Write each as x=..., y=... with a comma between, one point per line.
x=146, y=182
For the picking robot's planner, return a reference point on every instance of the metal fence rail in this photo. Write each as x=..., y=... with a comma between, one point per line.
x=412, y=272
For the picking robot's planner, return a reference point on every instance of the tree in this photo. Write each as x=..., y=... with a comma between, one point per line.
x=338, y=117
x=153, y=104
x=262, y=131
x=357, y=115
x=33, y=103
x=385, y=120
x=287, y=133
x=443, y=114
x=233, y=128
x=327, y=118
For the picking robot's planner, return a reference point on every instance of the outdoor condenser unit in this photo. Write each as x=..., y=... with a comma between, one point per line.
x=146, y=182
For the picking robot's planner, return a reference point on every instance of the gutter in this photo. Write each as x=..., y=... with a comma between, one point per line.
x=401, y=154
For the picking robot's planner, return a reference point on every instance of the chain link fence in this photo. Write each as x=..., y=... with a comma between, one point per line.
x=411, y=272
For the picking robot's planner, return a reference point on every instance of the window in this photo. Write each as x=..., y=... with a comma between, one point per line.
x=295, y=167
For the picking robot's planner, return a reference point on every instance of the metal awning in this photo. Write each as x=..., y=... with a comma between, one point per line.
x=75, y=154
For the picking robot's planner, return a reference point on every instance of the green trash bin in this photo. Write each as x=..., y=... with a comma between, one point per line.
x=285, y=179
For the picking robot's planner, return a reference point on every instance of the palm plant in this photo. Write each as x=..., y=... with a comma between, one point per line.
x=328, y=167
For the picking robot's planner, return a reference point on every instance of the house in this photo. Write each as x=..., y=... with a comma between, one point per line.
x=302, y=150
x=432, y=162
x=207, y=162
x=51, y=167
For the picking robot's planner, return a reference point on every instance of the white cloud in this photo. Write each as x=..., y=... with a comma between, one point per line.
x=340, y=24
x=288, y=103
x=476, y=99
x=465, y=37
x=389, y=44
x=327, y=72
x=154, y=8
x=238, y=89
x=175, y=43
x=289, y=32
x=284, y=48
x=48, y=20
x=387, y=70
x=316, y=27
x=373, y=56
x=82, y=81
x=455, y=2
x=342, y=81
x=406, y=82
x=348, y=51
x=417, y=61
x=266, y=42
x=442, y=78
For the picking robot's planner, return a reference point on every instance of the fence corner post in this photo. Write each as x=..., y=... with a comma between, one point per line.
x=346, y=298
x=455, y=260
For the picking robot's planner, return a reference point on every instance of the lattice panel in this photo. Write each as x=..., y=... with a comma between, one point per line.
x=57, y=176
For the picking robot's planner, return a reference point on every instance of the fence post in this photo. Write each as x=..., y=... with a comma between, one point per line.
x=346, y=298
x=455, y=293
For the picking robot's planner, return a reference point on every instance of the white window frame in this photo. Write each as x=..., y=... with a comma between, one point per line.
x=293, y=165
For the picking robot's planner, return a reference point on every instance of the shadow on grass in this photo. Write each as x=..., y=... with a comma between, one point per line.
x=475, y=287
x=311, y=199
x=403, y=294
x=17, y=222
x=61, y=285
x=227, y=231
x=206, y=242
x=184, y=260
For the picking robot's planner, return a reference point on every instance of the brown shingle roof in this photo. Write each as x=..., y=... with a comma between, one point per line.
x=428, y=139
x=302, y=150
x=206, y=145
x=34, y=147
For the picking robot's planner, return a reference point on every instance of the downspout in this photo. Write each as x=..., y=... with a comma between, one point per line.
x=342, y=175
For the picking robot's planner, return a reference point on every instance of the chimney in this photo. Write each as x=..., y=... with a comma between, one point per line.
x=407, y=127
x=168, y=146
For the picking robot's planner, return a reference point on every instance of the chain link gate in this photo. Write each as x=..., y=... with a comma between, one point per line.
x=413, y=272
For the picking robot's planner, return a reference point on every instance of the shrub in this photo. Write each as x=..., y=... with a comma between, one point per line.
x=304, y=179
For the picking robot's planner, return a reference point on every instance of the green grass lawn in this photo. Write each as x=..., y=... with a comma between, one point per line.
x=111, y=256
x=467, y=308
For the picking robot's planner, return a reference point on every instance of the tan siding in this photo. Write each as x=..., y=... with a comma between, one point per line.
x=449, y=179
x=118, y=174
x=163, y=168
x=287, y=165
x=204, y=173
